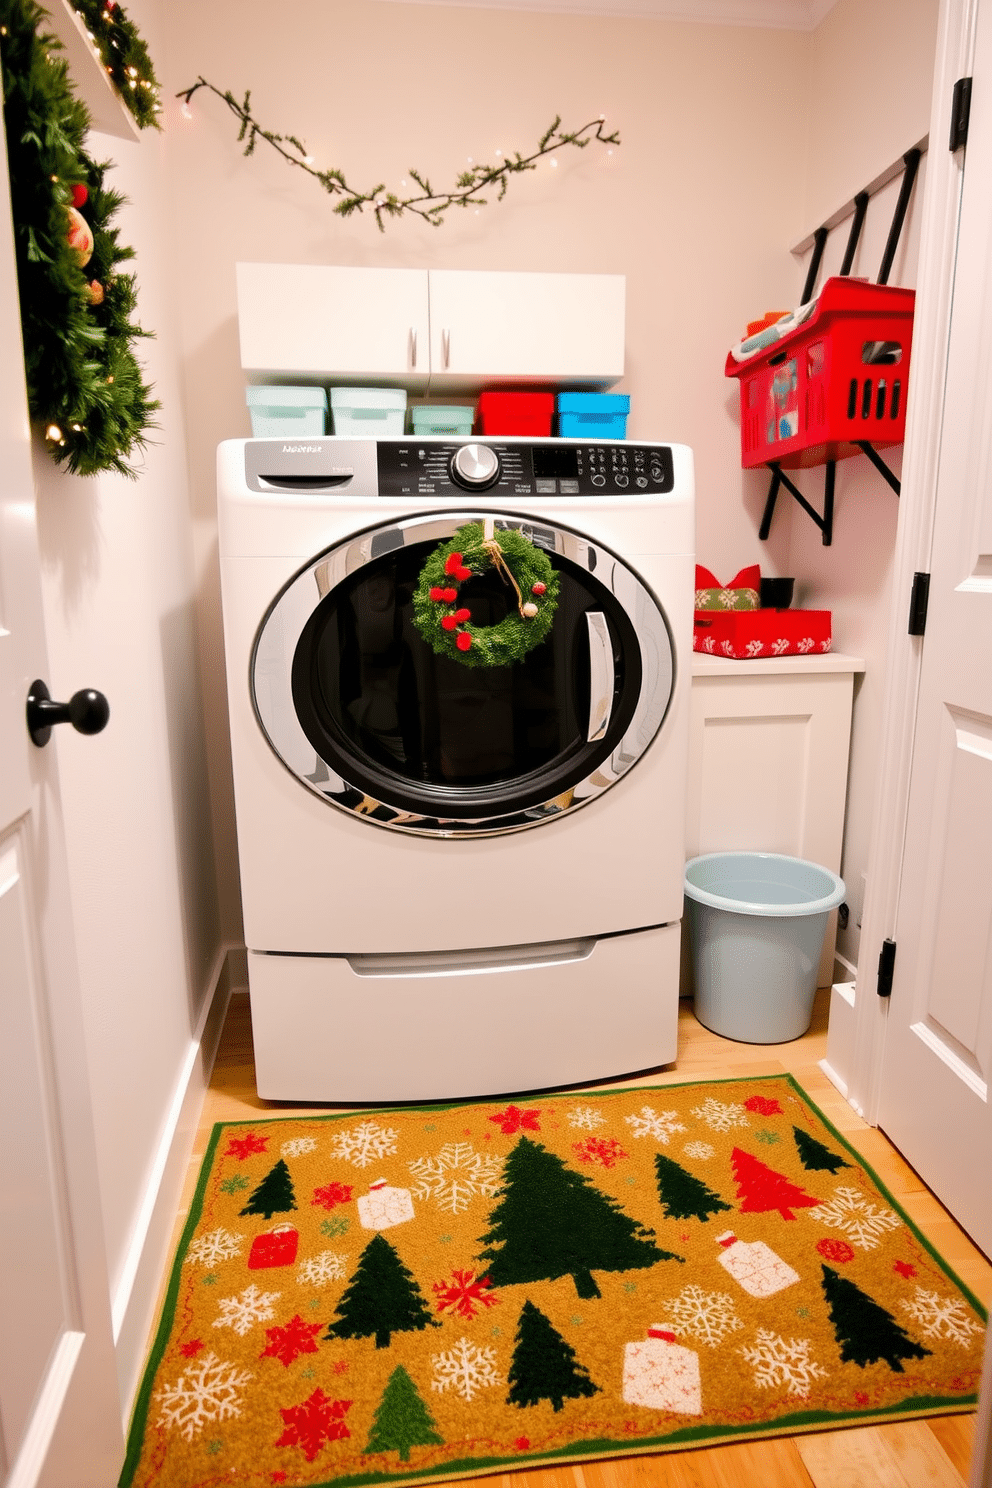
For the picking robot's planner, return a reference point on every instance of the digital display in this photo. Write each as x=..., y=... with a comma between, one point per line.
x=553, y=461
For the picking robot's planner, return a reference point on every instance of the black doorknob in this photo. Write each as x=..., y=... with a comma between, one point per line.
x=87, y=711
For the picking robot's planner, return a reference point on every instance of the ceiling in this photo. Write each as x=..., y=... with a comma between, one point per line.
x=793, y=15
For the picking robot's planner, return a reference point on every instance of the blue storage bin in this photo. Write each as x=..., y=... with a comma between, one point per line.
x=368, y=413
x=756, y=928
x=593, y=415
x=280, y=411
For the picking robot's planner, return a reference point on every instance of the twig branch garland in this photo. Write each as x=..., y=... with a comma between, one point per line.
x=428, y=204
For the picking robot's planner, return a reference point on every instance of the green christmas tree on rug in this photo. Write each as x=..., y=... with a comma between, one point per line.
x=864, y=1330
x=543, y=1366
x=552, y=1222
x=383, y=1298
x=814, y=1156
x=274, y=1195
x=760, y=1188
x=402, y=1420
x=682, y=1195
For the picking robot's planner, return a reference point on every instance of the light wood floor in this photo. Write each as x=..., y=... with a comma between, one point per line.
x=932, y=1453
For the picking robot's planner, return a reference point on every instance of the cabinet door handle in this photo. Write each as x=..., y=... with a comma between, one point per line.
x=413, y=346
x=446, y=347
x=602, y=676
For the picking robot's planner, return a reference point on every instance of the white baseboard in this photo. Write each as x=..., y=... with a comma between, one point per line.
x=137, y=1293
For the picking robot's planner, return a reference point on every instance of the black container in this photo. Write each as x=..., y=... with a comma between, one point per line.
x=776, y=594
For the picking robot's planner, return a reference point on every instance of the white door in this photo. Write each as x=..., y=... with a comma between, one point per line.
x=937, y=1062
x=528, y=327
x=59, y=1406
x=335, y=324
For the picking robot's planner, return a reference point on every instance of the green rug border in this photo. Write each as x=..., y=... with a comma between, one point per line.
x=602, y=1447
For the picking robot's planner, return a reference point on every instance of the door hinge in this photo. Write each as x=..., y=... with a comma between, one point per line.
x=918, y=601
x=886, y=964
x=960, y=113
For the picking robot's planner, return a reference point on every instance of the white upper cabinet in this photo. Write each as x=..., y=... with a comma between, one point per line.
x=459, y=329
x=526, y=327
x=333, y=324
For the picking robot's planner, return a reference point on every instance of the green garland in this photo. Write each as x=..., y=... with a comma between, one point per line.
x=125, y=57
x=427, y=203
x=447, y=626
x=83, y=381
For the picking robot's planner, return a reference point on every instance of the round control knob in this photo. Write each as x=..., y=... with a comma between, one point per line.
x=474, y=466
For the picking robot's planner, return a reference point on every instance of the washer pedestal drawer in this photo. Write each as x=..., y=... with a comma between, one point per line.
x=339, y=1029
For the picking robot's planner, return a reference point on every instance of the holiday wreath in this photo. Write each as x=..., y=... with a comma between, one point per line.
x=447, y=625
x=84, y=383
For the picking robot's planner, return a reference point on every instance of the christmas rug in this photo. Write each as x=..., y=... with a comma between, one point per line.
x=430, y=1293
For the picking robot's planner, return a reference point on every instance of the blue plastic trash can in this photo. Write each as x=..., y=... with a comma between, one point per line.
x=756, y=928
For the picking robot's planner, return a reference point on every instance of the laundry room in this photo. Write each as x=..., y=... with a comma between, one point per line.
x=729, y=135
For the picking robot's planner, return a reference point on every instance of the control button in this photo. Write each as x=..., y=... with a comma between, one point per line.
x=569, y=488
x=546, y=487
x=620, y=480
x=641, y=481
x=656, y=473
x=599, y=480
x=475, y=466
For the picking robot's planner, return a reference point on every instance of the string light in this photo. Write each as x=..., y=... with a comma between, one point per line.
x=186, y=111
x=53, y=432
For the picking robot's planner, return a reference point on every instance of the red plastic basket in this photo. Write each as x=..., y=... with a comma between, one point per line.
x=840, y=376
x=516, y=413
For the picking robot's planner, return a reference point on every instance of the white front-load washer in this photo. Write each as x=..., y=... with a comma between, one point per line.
x=456, y=880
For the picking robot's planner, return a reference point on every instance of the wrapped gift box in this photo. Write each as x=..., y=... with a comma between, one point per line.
x=745, y=635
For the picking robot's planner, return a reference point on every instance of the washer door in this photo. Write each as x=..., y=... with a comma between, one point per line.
x=359, y=707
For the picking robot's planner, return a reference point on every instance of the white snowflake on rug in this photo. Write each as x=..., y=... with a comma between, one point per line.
x=456, y=1176
x=652, y=1123
x=318, y=1270
x=709, y=1316
x=702, y=1150
x=719, y=1116
x=242, y=1313
x=586, y=1118
x=298, y=1147
x=219, y=1245
x=207, y=1391
x=851, y=1213
x=466, y=1369
x=365, y=1143
x=941, y=1317
x=783, y=1361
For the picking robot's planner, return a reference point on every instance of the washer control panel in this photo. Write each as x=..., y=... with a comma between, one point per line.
x=553, y=468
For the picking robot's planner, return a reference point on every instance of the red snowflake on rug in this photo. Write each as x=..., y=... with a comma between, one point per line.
x=835, y=1250
x=762, y=1106
x=513, y=1120
x=242, y=1147
x=290, y=1342
x=461, y=1295
x=318, y=1420
x=191, y=1349
x=332, y=1194
x=605, y=1150
x=905, y=1268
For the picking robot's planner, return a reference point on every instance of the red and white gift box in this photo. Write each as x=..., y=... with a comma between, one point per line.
x=276, y=1247
x=745, y=635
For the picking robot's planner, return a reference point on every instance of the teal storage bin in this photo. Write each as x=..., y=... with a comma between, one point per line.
x=593, y=415
x=368, y=413
x=756, y=928
x=280, y=411
x=435, y=418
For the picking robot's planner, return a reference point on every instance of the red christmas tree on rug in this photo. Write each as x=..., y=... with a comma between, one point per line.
x=760, y=1188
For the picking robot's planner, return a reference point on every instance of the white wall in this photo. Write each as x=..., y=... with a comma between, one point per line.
x=120, y=606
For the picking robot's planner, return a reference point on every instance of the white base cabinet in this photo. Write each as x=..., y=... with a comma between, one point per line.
x=768, y=751
x=429, y=330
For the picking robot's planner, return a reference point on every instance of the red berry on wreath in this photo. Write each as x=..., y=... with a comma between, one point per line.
x=452, y=563
x=449, y=622
x=538, y=588
x=79, y=196
x=464, y=641
x=462, y=615
x=437, y=593
x=449, y=595
x=462, y=574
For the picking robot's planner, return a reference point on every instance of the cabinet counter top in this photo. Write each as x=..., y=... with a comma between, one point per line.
x=704, y=665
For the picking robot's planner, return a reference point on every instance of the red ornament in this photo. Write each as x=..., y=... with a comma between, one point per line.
x=79, y=196
x=538, y=588
x=835, y=1250
x=449, y=622
x=464, y=641
x=449, y=595
x=452, y=563
x=462, y=615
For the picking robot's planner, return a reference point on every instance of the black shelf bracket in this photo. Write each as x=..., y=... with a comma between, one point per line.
x=879, y=464
x=824, y=522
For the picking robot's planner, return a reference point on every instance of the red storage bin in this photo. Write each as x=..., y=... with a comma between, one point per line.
x=516, y=413
x=839, y=376
x=745, y=635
